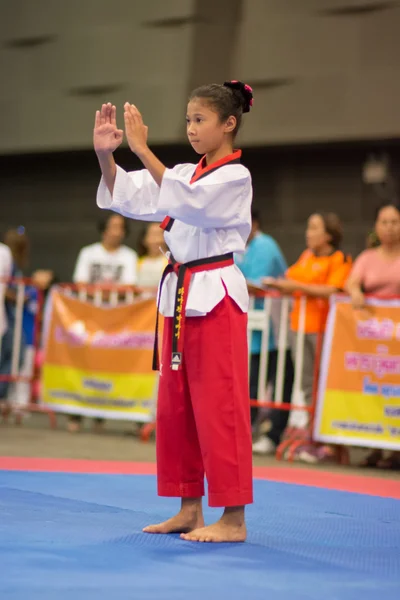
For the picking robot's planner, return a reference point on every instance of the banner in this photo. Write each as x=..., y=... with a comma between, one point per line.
x=359, y=390
x=98, y=359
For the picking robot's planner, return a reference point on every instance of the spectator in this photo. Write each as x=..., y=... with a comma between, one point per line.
x=152, y=259
x=108, y=261
x=18, y=394
x=263, y=258
x=18, y=243
x=377, y=272
x=44, y=279
x=321, y=271
x=5, y=341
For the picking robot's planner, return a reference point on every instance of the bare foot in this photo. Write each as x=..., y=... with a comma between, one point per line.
x=230, y=528
x=188, y=518
x=219, y=532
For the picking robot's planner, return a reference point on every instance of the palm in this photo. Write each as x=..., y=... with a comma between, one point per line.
x=106, y=136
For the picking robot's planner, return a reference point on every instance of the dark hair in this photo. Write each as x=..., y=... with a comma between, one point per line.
x=18, y=242
x=103, y=222
x=333, y=227
x=233, y=98
x=385, y=204
x=255, y=215
x=140, y=247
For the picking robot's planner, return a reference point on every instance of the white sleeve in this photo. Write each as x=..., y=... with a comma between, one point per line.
x=129, y=276
x=5, y=262
x=135, y=195
x=81, y=272
x=220, y=199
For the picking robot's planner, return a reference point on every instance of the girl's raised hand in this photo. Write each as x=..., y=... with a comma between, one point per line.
x=106, y=136
x=135, y=129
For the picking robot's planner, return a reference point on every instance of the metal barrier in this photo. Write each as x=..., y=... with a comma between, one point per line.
x=101, y=293
x=262, y=320
x=275, y=313
x=18, y=361
x=276, y=309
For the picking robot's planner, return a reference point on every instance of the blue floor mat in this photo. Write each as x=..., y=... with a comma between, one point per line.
x=79, y=537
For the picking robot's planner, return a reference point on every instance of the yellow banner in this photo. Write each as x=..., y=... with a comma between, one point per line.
x=98, y=359
x=359, y=390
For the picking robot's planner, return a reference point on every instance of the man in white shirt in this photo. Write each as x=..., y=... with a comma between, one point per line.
x=108, y=261
x=5, y=343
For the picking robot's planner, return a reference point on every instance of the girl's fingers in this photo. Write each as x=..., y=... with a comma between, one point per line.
x=97, y=119
x=135, y=112
x=130, y=119
x=113, y=115
x=103, y=114
x=109, y=112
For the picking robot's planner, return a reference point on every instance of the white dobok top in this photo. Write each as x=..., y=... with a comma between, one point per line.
x=211, y=208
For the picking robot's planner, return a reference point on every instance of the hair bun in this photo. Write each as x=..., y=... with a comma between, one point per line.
x=245, y=91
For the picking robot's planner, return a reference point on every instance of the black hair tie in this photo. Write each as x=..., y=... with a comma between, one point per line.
x=245, y=90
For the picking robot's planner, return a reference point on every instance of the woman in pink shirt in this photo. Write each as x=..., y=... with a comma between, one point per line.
x=376, y=272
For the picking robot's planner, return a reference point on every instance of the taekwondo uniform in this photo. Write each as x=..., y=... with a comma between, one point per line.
x=203, y=415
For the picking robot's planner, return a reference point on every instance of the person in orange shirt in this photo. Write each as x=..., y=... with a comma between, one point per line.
x=321, y=271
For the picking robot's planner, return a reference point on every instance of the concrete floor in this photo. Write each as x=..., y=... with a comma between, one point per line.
x=35, y=439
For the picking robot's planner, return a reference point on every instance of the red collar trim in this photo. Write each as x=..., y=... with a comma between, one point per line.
x=203, y=169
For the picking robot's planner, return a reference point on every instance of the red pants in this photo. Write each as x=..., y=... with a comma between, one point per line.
x=203, y=415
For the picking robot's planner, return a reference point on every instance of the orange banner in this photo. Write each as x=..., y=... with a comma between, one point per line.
x=359, y=388
x=98, y=359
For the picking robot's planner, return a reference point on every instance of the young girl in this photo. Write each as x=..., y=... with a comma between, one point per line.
x=203, y=416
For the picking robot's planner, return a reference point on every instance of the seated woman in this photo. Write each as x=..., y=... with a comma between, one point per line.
x=377, y=272
x=321, y=271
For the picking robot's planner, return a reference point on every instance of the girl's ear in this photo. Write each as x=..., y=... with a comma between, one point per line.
x=230, y=124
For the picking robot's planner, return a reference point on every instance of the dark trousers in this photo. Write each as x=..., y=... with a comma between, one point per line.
x=278, y=418
x=6, y=359
x=79, y=419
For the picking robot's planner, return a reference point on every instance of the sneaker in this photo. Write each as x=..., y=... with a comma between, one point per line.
x=307, y=454
x=314, y=454
x=264, y=446
x=73, y=427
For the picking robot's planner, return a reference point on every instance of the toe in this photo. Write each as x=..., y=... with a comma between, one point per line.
x=152, y=529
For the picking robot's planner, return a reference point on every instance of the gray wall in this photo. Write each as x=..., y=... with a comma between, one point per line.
x=321, y=69
x=54, y=196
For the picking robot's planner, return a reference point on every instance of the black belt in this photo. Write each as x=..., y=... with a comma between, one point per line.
x=184, y=272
